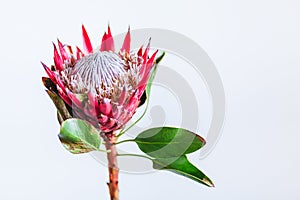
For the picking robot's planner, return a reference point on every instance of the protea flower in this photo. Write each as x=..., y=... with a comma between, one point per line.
x=101, y=86
x=105, y=87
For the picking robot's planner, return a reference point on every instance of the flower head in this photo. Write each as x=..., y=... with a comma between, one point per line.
x=101, y=85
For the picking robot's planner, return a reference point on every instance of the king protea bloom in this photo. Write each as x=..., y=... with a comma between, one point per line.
x=101, y=86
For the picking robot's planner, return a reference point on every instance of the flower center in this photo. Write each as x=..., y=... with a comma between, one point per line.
x=97, y=71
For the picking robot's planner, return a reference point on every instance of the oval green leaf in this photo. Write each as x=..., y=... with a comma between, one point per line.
x=79, y=136
x=183, y=167
x=168, y=142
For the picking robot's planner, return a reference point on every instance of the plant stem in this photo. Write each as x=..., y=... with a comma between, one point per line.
x=129, y=140
x=110, y=140
x=137, y=155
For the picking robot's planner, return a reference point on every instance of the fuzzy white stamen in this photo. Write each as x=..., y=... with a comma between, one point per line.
x=97, y=70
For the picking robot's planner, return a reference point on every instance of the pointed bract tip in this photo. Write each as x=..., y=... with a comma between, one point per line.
x=154, y=54
x=54, y=46
x=140, y=51
x=151, y=60
x=126, y=43
x=83, y=28
x=108, y=30
x=45, y=66
x=160, y=57
x=78, y=49
x=149, y=41
x=87, y=45
x=59, y=44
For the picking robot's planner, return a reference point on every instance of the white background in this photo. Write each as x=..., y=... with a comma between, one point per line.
x=255, y=46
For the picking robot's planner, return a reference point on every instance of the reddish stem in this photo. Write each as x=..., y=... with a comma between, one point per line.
x=110, y=140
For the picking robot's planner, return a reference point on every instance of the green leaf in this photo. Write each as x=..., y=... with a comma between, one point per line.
x=79, y=136
x=167, y=142
x=182, y=167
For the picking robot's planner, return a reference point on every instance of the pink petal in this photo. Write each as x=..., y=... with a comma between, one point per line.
x=110, y=125
x=107, y=42
x=105, y=106
x=75, y=100
x=79, y=53
x=103, y=44
x=145, y=55
x=102, y=119
x=50, y=73
x=62, y=50
x=142, y=84
x=91, y=108
x=57, y=59
x=151, y=61
x=108, y=31
x=142, y=70
x=86, y=41
x=116, y=111
x=146, y=68
x=127, y=117
x=93, y=100
x=104, y=129
x=140, y=52
x=60, y=84
x=123, y=116
x=141, y=91
x=126, y=43
x=132, y=102
x=64, y=97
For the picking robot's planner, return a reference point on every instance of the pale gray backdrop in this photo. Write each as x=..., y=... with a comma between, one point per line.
x=255, y=47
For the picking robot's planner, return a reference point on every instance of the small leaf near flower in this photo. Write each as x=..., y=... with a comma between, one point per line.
x=49, y=84
x=183, y=167
x=168, y=142
x=62, y=110
x=79, y=136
